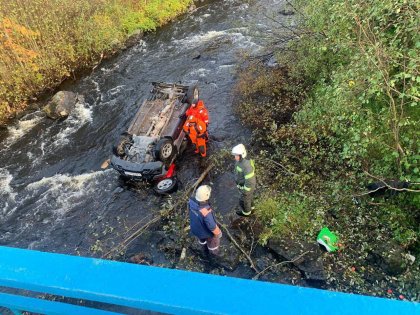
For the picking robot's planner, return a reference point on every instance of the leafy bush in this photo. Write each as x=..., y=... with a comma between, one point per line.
x=293, y=216
x=341, y=110
x=368, y=81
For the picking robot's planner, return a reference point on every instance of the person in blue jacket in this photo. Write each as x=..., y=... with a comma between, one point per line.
x=202, y=220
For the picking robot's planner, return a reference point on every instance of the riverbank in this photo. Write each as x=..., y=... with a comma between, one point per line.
x=327, y=129
x=49, y=42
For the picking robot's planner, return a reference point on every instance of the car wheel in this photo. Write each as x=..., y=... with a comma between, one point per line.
x=166, y=185
x=165, y=150
x=192, y=94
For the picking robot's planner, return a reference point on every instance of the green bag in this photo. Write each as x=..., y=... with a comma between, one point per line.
x=328, y=239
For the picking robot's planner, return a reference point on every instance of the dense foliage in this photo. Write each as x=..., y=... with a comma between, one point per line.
x=367, y=99
x=340, y=111
x=44, y=42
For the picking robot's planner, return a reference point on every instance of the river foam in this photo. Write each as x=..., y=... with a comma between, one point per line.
x=63, y=192
x=22, y=127
x=80, y=116
x=5, y=180
x=7, y=194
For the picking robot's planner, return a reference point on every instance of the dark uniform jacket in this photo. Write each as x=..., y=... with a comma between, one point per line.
x=245, y=174
x=202, y=221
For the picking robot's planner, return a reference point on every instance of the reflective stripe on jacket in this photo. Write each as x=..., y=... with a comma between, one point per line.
x=245, y=174
x=202, y=221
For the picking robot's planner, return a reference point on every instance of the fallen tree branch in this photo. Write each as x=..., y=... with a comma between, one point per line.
x=281, y=166
x=198, y=181
x=225, y=229
x=388, y=186
x=127, y=241
x=368, y=192
x=279, y=264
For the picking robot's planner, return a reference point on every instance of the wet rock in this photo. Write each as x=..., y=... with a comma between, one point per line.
x=134, y=39
x=310, y=264
x=390, y=257
x=34, y=106
x=217, y=43
x=196, y=56
x=263, y=262
x=287, y=12
x=223, y=261
x=142, y=259
x=192, y=8
x=197, y=248
x=61, y=105
x=272, y=62
x=374, y=277
x=245, y=227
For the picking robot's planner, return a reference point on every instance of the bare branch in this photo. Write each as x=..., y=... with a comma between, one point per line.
x=238, y=246
x=127, y=241
x=388, y=186
x=280, y=263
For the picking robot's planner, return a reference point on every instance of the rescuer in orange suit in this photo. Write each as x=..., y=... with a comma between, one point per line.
x=200, y=111
x=197, y=131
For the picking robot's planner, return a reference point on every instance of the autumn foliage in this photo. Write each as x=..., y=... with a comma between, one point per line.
x=43, y=42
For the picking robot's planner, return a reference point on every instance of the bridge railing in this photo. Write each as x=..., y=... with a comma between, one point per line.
x=165, y=290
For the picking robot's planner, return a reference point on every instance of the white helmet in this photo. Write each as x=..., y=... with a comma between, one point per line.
x=239, y=150
x=203, y=193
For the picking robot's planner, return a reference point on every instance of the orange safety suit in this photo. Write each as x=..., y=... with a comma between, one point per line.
x=197, y=131
x=200, y=111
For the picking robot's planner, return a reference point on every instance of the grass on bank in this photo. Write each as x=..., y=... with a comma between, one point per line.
x=43, y=42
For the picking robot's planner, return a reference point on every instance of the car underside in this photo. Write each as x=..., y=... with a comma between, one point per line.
x=154, y=139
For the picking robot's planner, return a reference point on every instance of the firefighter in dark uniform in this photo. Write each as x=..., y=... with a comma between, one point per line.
x=245, y=179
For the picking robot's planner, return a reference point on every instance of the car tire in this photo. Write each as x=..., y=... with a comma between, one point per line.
x=165, y=150
x=166, y=186
x=192, y=95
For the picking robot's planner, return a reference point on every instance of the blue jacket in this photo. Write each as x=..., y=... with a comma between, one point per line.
x=202, y=220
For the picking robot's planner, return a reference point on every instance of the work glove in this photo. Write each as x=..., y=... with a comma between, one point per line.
x=219, y=235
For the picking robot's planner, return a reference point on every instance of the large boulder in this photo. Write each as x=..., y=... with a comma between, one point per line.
x=307, y=257
x=390, y=257
x=61, y=105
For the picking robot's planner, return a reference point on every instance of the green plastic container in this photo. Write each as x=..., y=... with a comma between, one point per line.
x=328, y=239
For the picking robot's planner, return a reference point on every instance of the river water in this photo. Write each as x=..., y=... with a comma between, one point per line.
x=53, y=194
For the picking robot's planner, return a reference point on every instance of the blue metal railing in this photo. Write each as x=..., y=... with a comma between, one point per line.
x=166, y=290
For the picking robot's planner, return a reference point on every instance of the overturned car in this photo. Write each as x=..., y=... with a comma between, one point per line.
x=155, y=138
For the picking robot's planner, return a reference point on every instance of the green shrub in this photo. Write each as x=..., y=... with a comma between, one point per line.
x=342, y=109
x=291, y=216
